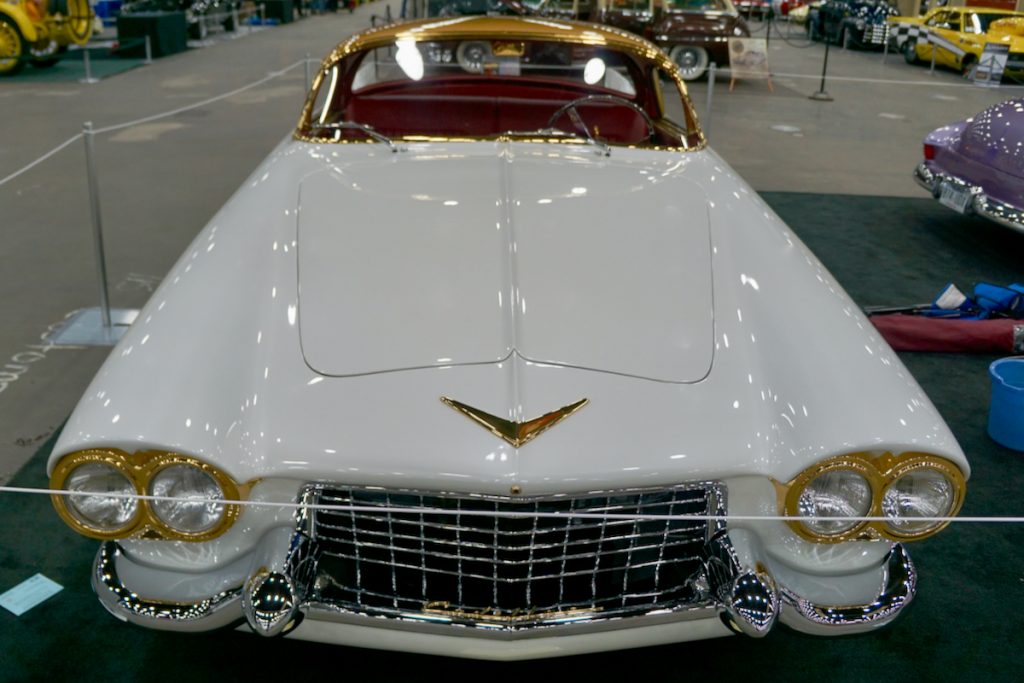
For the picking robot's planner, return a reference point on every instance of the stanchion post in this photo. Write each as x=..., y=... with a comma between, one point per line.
x=234, y=20
x=935, y=49
x=149, y=50
x=822, y=94
x=706, y=124
x=97, y=223
x=263, y=14
x=88, y=67
x=885, y=48
x=306, y=64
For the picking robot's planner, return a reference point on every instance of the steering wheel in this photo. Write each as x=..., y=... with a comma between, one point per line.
x=574, y=114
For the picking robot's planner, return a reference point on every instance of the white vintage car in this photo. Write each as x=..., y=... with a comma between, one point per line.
x=543, y=373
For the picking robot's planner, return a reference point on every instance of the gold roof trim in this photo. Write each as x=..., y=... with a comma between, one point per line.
x=511, y=28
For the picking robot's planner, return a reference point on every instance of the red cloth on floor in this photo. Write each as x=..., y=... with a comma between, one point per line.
x=920, y=333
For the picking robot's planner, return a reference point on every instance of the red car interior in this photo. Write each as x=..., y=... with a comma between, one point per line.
x=481, y=107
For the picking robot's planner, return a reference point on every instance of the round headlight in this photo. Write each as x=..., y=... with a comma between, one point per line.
x=192, y=489
x=919, y=493
x=836, y=493
x=103, y=513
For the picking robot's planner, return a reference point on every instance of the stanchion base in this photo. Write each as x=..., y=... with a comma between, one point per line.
x=821, y=96
x=85, y=328
x=88, y=80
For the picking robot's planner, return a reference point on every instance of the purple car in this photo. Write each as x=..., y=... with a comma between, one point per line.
x=977, y=165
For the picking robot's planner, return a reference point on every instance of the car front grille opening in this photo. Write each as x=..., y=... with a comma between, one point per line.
x=481, y=566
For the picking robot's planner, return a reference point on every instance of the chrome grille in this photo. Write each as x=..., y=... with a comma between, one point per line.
x=515, y=567
x=876, y=33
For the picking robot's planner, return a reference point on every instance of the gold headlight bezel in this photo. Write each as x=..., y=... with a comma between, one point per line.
x=140, y=467
x=880, y=471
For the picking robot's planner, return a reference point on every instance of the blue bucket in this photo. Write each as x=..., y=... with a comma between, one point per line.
x=1006, y=412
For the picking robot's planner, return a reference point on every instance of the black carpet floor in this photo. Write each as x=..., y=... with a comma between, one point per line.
x=965, y=624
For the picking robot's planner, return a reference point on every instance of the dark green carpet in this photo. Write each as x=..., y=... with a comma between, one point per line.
x=964, y=625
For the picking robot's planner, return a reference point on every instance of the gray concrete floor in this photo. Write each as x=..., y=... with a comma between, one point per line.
x=161, y=181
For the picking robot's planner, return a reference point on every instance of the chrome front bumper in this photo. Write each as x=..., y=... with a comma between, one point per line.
x=742, y=599
x=981, y=204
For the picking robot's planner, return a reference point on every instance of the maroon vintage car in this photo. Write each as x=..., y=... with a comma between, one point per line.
x=697, y=32
x=977, y=166
x=693, y=32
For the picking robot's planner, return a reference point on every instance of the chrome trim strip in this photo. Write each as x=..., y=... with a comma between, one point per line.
x=898, y=590
x=747, y=597
x=997, y=211
x=222, y=609
x=445, y=627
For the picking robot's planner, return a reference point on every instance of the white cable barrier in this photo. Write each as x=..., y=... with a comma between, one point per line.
x=196, y=105
x=349, y=508
x=155, y=117
x=394, y=509
x=721, y=72
x=29, y=167
x=724, y=71
x=105, y=334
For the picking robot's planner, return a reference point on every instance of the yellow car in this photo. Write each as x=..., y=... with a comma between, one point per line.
x=37, y=31
x=799, y=15
x=958, y=36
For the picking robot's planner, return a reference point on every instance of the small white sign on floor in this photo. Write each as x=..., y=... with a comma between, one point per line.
x=989, y=70
x=28, y=594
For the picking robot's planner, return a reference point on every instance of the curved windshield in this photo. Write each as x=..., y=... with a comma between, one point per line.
x=486, y=88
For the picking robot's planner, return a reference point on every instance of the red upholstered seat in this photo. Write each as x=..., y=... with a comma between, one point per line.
x=475, y=109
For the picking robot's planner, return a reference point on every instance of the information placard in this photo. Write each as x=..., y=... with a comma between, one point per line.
x=748, y=58
x=989, y=70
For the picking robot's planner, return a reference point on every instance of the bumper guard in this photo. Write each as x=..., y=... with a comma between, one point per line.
x=981, y=204
x=273, y=597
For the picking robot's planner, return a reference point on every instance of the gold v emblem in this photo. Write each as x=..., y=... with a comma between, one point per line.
x=516, y=433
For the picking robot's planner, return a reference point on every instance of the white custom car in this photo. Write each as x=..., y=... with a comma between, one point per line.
x=535, y=363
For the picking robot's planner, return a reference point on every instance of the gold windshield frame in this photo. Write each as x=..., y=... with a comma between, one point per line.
x=504, y=29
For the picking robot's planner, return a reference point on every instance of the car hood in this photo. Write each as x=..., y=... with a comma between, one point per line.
x=444, y=260
x=1007, y=29
x=214, y=365
x=995, y=137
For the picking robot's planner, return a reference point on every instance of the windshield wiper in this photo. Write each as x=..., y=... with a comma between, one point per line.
x=599, y=145
x=370, y=131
